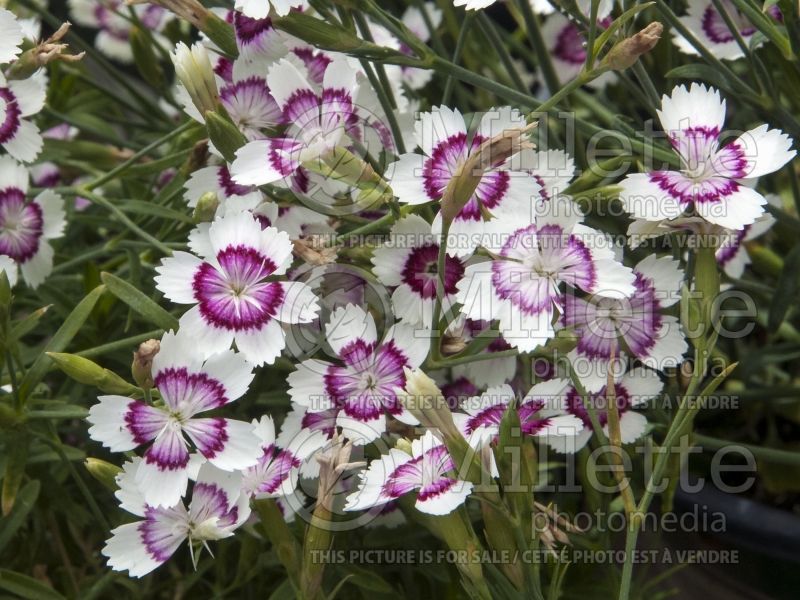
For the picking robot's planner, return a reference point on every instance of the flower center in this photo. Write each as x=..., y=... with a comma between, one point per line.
x=21, y=225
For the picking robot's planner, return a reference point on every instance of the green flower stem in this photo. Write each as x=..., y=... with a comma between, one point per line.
x=284, y=544
x=490, y=31
x=122, y=217
x=533, y=28
x=771, y=455
x=382, y=86
x=469, y=18
x=118, y=170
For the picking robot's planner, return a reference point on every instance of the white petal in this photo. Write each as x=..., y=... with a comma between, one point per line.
x=13, y=174
x=348, y=324
x=300, y=304
x=766, y=150
x=405, y=176
x=108, y=423
x=734, y=211
x=646, y=200
x=126, y=551
x=36, y=269
x=161, y=487
x=446, y=502
x=262, y=346
x=414, y=342
x=632, y=426
x=53, y=214
x=26, y=143
x=699, y=106
x=436, y=126
x=307, y=385
x=176, y=275
x=208, y=338
x=232, y=371
x=30, y=93
x=252, y=165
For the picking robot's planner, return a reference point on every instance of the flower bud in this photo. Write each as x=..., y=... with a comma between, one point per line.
x=193, y=69
x=217, y=30
x=425, y=401
x=87, y=372
x=626, y=52
x=104, y=472
x=43, y=53
x=225, y=136
x=490, y=154
x=142, y=367
x=206, y=208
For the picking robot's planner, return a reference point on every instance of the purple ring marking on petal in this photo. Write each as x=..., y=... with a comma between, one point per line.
x=199, y=392
x=237, y=297
x=21, y=225
x=420, y=271
x=726, y=253
x=11, y=122
x=228, y=185
x=158, y=531
x=530, y=423
x=575, y=404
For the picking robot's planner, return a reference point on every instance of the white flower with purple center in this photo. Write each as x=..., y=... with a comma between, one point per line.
x=318, y=122
x=363, y=385
x=275, y=475
x=188, y=387
x=217, y=508
x=11, y=36
x=502, y=199
x=429, y=471
x=236, y=288
x=260, y=9
x=26, y=227
x=712, y=179
x=632, y=390
x=20, y=99
x=113, y=39
x=408, y=262
x=566, y=44
x=522, y=287
x=613, y=328
x=708, y=25
x=541, y=413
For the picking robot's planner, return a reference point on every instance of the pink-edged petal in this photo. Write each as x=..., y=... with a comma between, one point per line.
x=735, y=210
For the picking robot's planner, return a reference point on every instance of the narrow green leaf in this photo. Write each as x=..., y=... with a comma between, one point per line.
x=139, y=302
x=22, y=506
x=71, y=326
x=141, y=207
x=28, y=324
x=27, y=587
x=785, y=290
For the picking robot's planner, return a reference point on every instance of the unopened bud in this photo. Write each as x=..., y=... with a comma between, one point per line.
x=43, y=53
x=491, y=153
x=193, y=69
x=206, y=208
x=217, y=30
x=104, y=472
x=626, y=52
x=404, y=445
x=226, y=137
x=425, y=401
x=87, y=372
x=312, y=254
x=142, y=367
